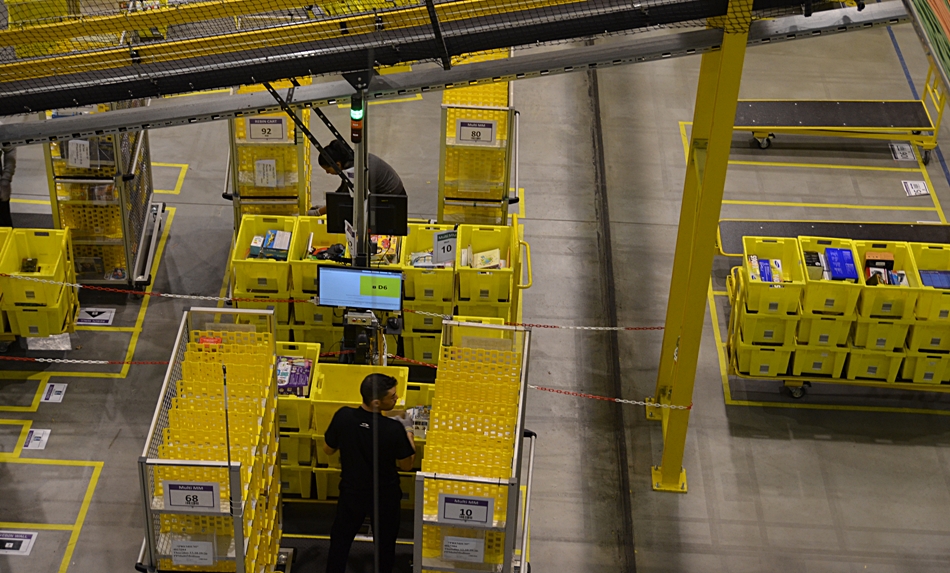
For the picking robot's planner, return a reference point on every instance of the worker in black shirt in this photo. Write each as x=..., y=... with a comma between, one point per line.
x=351, y=432
x=383, y=179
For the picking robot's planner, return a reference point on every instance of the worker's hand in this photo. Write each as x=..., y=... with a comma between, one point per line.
x=404, y=418
x=5, y=191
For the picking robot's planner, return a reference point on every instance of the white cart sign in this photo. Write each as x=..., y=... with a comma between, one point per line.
x=443, y=249
x=17, y=542
x=475, y=132
x=95, y=317
x=77, y=153
x=463, y=549
x=54, y=392
x=266, y=128
x=465, y=509
x=902, y=152
x=192, y=552
x=192, y=496
x=915, y=188
x=36, y=440
x=265, y=173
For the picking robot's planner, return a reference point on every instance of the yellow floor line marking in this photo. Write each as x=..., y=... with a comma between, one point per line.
x=43, y=378
x=829, y=205
x=403, y=99
x=182, y=171
x=31, y=201
x=209, y=92
x=822, y=166
x=930, y=186
x=720, y=293
x=21, y=439
x=397, y=69
x=52, y=462
x=720, y=347
x=108, y=328
x=685, y=139
x=83, y=509
x=39, y=526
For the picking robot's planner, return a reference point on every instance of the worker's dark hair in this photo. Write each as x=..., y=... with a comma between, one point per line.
x=339, y=152
x=375, y=387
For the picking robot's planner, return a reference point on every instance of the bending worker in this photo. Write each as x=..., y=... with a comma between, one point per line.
x=383, y=179
x=351, y=432
x=8, y=159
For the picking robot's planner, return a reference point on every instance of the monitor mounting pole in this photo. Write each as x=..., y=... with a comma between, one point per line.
x=358, y=135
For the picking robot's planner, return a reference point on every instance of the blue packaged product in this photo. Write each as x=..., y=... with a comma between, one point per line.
x=841, y=264
x=765, y=270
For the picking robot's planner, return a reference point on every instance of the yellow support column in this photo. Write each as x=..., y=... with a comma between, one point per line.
x=710, y=142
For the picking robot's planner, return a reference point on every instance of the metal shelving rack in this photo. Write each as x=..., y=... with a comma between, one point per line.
x=107, y=202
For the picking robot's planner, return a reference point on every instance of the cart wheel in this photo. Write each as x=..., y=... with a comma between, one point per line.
x=797, y=392
x=916, y=132
x=925, y=157
x=764, y=142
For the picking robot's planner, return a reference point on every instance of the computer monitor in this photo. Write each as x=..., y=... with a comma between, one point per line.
x=339, y=210
x=388, y=214
x=367, y=289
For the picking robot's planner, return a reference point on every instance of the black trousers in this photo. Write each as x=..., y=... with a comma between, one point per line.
x=352, y=508
x=5, y=219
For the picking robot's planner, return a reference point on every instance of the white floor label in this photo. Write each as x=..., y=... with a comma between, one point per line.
x=902, y=152
x=915, y=188
x=36, y=440
x=95, y=317
x=17, y=542
x=54, y=392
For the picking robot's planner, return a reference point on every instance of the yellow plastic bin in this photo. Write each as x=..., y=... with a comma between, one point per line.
x=328, y=482
x=765, y=328
x=887, y=301
x=43, y=321
x=484, y=285
x=874, y=364
x=339, y=385
x=775, y=297
x=876, y=334
x=329, y=338
x=432, y=285
x=296, y=480
x=303, y=270
x=294, y=412
x=276, y=302
x=260, y=275
x=485, y=310
x=923, y=368
x=828, y=296
x=313, y=314
x=929, y=336
x=756, y=360
x=819, y=361
x=322, y=458
x=53, y=253
x=422, y=347
x=415, y=322
x=295, y=448
x=932, y=303
x=824, y=330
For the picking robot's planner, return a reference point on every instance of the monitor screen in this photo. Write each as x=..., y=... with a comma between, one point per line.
x=339, y=210
x=388, y=215
x=360, y=288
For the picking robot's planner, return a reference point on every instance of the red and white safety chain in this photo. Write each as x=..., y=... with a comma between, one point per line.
x=610, y=399
x=534, y=325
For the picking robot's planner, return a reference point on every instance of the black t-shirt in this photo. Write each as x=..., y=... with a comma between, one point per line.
x=383, y=179
x=351, y=432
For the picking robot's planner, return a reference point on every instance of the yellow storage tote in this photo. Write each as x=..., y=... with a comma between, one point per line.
x=875, y=334
x=43, y=321
x=304, y=271
x=296, y=480
x=929, y=336
x=425, y=284
x=820, y=361
x=422, y=347
x=887, y=301
x=276, y=302
x=932, y=303
x=329, y=338
x=783, y=297
x=874, y=364
x=922, y=368
x=260, y=275
x=315, y=315
x=294, y=412
x=824, y=330
x=486, y=310
x=415, y=322
x=828, y=296
x=5, y=233
x=339, y=385
x=295, y=448
x=485, y=285
x=756, y=360
x=53, y=253
x=328, y=482
x=763, y=328
x=322, y=458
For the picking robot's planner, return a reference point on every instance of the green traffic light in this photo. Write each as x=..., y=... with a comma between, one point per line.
x=356, y=114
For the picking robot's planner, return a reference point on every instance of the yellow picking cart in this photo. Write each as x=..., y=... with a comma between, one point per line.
x=889, y=301
x=775, y=297
x=829, y=296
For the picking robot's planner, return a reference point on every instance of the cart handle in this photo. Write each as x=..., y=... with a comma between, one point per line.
x=527, y=258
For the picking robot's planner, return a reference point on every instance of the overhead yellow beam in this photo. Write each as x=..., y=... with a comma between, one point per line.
x=157, y=18
x=61, y=65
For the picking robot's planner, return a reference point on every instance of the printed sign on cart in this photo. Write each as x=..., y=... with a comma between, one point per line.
x=95, y=317
x=902, y=152
x=465, y=509
x=915, y=188
x=444, y=249
x=266, y=128
x=36, y=440
x=191, y=496
x=192, y=552
x=17, y=542
x=54, y=392
x=475, y=132
x=265, y=173
x=463, y=549
x=77, y=153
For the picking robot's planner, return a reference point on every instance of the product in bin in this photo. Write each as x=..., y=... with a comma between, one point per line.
x=879, y=260
x=813, y=265
x=935, y=279
x=276, y=244
x=765, y=270
x=387, y=249
x=256, y=243
x=420, y=420
x=487, y=260
x=293, y=376
x=423, y=260
x=841, y=264
x=29, y=266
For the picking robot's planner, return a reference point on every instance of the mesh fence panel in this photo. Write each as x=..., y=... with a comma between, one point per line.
x=85, y=51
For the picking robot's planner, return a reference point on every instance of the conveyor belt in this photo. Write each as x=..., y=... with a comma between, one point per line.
x=731, y=232
x=857, y=115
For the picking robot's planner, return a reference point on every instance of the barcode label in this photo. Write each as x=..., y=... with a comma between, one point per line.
x=428, y=293
x=935, y=342
x=928, y=376
x=829, y=302
x=881, y=342
x=823, y=339
x=773, y=306
x=872, y=369
x=763, y=368
x=887, y=306
x=816, y=365
x=768, y=334
x=944, y=313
